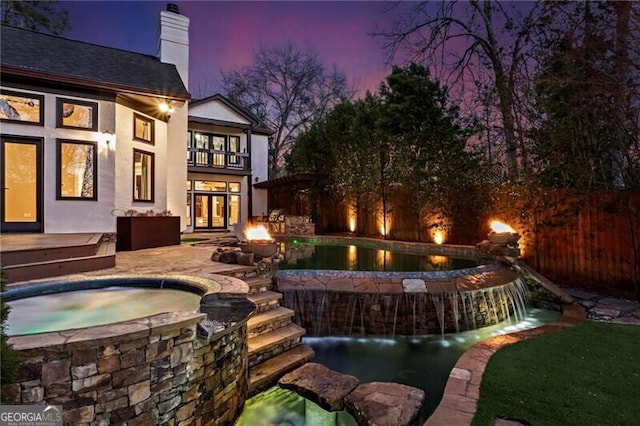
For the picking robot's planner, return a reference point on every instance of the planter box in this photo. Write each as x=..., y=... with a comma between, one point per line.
x=140, y=232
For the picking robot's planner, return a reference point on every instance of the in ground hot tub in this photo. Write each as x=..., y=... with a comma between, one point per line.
x=184, y=361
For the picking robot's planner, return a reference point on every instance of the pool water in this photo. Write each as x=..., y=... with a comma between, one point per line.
x=86, y=308
x=422, y=362
x=299, y=255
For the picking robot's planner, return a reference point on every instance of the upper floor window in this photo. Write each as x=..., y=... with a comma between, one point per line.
x=143, y=129
x=74, y=114
x=20, y=107
x=216, y=150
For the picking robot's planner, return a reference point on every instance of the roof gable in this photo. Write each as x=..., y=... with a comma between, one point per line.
x=220, y=108
x=43, y=56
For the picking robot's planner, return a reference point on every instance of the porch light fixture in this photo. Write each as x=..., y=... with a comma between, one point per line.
x=165, y=107
x=105, y=137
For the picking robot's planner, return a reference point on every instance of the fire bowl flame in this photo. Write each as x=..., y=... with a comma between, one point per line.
x=259, y=242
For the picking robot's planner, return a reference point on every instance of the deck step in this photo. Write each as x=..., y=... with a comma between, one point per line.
x=270, y=344
x=258, y=284
x=266, y=300
x=82, y=245
x=267, y=373
x=270, y=320
x=104, y=257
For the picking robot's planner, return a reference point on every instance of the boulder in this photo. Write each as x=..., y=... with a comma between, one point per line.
x=245, y=258
x=385, y=404
x=321, y=385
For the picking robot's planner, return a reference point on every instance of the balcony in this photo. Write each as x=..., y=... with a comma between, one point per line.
x=204, y=157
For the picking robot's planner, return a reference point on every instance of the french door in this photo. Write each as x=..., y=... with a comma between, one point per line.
x=210, y=211
x=21, y=182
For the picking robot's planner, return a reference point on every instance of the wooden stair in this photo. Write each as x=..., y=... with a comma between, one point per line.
x=51, y=260
x=275, y=343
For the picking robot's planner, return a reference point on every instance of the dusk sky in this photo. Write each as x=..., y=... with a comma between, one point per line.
x=224, y=34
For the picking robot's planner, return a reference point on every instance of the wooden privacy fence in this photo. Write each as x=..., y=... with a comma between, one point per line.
x=587, y=240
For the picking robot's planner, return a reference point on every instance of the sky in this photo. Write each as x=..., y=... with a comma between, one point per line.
x=225, y=34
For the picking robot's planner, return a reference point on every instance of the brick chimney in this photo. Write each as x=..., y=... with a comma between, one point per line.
x=173, y=40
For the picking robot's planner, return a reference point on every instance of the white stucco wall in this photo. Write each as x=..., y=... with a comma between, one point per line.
x=217, y=110
x=66, y=216
x=176, y=166
x=125, y=145
x=259, y=169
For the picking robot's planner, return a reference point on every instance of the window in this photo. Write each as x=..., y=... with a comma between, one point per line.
x=205, y=185
x=143, y=129
x=19, y=107
x=234, y=209
x=217, y=144
x=234, y=186
x=143, y=176
x=234, y=146
x=188, y=209
x=77, y=170
x=74, y=114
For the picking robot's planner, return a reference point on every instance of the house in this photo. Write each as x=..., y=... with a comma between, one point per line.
x=89, y=133
x=227, y=155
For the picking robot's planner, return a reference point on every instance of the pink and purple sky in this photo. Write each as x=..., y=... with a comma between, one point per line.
x=225, y=34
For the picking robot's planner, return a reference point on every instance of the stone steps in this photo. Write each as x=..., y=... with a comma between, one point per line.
x=268, y=321
x=268, y=345
x=258, y=284
x=265, y=300
x=267, y=373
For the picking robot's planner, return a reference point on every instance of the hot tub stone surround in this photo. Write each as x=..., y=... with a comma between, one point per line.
x=153, y=370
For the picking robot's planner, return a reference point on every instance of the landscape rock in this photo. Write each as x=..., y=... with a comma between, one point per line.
x=385, y=404
x=321, y=385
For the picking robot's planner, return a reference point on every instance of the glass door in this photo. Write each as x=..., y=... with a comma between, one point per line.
x=219, y=208
x=21, y=179
x=210, y=211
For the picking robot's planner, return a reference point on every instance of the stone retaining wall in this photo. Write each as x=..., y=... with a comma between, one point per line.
x=384, y=304
x=148, y=371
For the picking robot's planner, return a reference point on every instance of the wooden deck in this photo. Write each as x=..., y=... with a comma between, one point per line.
x=32, y=256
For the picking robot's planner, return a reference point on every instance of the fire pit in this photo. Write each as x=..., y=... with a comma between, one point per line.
x=503, y=234
x=258, y=241
x=503, y=240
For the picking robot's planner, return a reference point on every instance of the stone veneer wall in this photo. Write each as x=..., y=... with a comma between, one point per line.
x=143, y=372
x=377, y=303
x=299, y=225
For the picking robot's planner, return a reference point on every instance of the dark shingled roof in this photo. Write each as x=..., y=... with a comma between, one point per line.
x=53, y=58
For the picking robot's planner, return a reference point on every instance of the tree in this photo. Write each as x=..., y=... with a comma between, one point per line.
x=430, y=154
x=432, y=34
x=587, y=96
x=287, y=89
x=42, y=16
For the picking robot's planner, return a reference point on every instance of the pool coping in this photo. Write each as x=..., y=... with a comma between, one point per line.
x=46, y=342
x=462, y=391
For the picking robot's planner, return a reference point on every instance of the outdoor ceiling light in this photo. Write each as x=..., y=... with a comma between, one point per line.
x=166, y=107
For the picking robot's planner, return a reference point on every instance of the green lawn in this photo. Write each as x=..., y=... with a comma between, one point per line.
x=191, y=240
x=586, y=375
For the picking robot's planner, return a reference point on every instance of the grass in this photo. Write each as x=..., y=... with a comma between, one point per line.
x=586, y=375
x=191, y=240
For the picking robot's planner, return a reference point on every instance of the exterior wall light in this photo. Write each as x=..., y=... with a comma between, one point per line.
x=105, y=137
x=166, y=107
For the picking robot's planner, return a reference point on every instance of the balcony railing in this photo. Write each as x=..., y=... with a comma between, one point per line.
x=204, y=157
